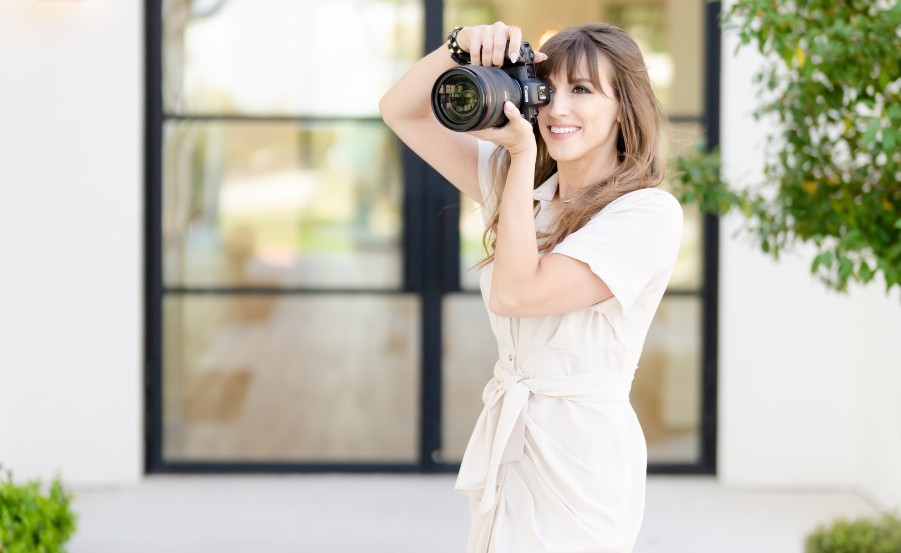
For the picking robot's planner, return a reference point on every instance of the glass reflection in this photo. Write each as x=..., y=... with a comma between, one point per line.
x=272, y=378
x=279, y=205
x=666, y=392
x=286, y=56
x=469, y=353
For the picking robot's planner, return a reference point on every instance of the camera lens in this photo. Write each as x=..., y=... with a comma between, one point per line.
x=461, y=98
x=472, y=97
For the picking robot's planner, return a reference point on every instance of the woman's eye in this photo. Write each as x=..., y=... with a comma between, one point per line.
x=581, y=90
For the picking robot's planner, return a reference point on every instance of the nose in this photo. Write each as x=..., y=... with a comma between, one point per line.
x=557, y=106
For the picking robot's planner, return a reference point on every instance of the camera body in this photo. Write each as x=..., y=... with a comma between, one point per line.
x=471, y=97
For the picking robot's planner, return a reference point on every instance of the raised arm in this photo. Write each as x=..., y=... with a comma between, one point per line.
x=406, y=107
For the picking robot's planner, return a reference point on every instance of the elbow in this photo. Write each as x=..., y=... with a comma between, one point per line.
x=504, y=307
x=391, y=111
x=385, y=110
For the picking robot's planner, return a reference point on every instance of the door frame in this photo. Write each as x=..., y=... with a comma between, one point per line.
x=431, y=216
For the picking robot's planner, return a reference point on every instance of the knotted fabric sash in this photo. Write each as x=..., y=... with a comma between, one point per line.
x=499, y=435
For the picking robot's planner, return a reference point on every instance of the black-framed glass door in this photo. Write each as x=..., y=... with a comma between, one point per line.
x=308, y=303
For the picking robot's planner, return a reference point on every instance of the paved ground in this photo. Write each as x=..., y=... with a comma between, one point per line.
x=415, y=513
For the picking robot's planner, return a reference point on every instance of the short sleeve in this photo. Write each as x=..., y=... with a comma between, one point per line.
x=631, y=241
x=489, y=196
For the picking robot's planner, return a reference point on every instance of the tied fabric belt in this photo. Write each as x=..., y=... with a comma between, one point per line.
x=499, y=436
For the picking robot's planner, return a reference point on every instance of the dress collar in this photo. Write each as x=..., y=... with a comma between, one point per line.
x=546, y=191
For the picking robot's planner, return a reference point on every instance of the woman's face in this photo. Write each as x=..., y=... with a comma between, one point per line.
x=580, y=121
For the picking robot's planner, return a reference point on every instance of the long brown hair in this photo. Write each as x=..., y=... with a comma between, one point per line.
x=640, y=162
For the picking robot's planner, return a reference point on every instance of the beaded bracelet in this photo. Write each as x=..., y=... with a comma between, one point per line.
x=457, y=54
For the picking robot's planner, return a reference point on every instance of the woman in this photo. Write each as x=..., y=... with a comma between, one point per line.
x=583, y=245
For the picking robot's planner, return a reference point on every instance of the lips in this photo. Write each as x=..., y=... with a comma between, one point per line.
x=562, y=132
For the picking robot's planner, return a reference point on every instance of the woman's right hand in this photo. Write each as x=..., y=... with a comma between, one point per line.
x=486, y=43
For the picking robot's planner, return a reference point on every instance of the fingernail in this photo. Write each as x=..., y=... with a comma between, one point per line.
x=514, y=56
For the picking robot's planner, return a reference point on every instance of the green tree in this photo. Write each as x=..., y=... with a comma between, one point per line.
x=832, y=176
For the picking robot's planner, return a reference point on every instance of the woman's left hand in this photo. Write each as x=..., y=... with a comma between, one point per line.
x=516, y=136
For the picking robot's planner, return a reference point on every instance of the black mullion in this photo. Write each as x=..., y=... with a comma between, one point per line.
x=432, y=282
x=711, y=246
x=450, y=228
x=239, y=291
x=239, y=118
x=153, y=268
x=327, y=119
x=683, y=118
x=237, y=467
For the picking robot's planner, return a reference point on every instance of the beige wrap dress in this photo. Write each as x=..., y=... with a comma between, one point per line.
x=557, y=461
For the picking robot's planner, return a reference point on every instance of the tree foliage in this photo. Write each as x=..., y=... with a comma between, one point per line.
x=831, y=86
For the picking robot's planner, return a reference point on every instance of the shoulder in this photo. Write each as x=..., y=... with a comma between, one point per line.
x=645, y=203
x=646, y=197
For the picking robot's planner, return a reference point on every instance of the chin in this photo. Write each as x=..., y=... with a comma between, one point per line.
x=561, y=154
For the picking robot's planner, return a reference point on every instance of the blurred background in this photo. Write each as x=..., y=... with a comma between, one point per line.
x=214, y=257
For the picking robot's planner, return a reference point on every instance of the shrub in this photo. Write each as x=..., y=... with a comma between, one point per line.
x=862, y=535
x=831, y=90
x=31, y=522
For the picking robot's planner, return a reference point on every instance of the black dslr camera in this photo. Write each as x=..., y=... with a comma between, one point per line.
x=471, y=97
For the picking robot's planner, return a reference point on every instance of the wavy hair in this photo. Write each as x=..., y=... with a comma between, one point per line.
x=640, y=162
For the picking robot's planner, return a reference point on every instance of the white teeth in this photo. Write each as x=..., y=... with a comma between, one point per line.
x=563, y=130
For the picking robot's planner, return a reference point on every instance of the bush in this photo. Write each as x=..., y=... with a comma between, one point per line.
x=831, y=90
x=31, y=522
x=863, y=535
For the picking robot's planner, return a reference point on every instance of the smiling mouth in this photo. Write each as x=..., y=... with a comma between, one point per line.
x=562, y=130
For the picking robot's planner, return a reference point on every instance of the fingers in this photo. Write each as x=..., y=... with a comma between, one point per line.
x=515, y=35
x=499, y=45
x=540, y=57
x=516, y=136
x=513, y=114
x=488, y=44
x=475, y=48
x=488, y=41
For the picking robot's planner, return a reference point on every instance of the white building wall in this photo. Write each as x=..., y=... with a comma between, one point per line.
x=810, y=380
x=71, y=239
x=880, y=399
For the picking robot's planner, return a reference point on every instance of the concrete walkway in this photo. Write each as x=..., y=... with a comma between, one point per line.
x=415, y=513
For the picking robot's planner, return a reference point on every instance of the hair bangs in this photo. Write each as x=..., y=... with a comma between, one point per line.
x=567, y=51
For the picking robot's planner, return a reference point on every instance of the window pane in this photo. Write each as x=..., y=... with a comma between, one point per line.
x=469, y=355
x=669, y=32
x=666, y=392
x=296, y=57
x=688, y=273
x=258, y=204
x=471, y=249
x=281, y=379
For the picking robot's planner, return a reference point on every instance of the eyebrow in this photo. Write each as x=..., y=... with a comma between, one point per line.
x=576, y=81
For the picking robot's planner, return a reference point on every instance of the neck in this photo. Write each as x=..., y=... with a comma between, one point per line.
x=575, y=175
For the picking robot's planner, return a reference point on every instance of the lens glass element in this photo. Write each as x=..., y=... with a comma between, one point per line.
x=461, y=98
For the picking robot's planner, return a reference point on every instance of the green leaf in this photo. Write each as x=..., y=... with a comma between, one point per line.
x=866, y=273
x=889, y=139
x=869, y=135
x=894, y=113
